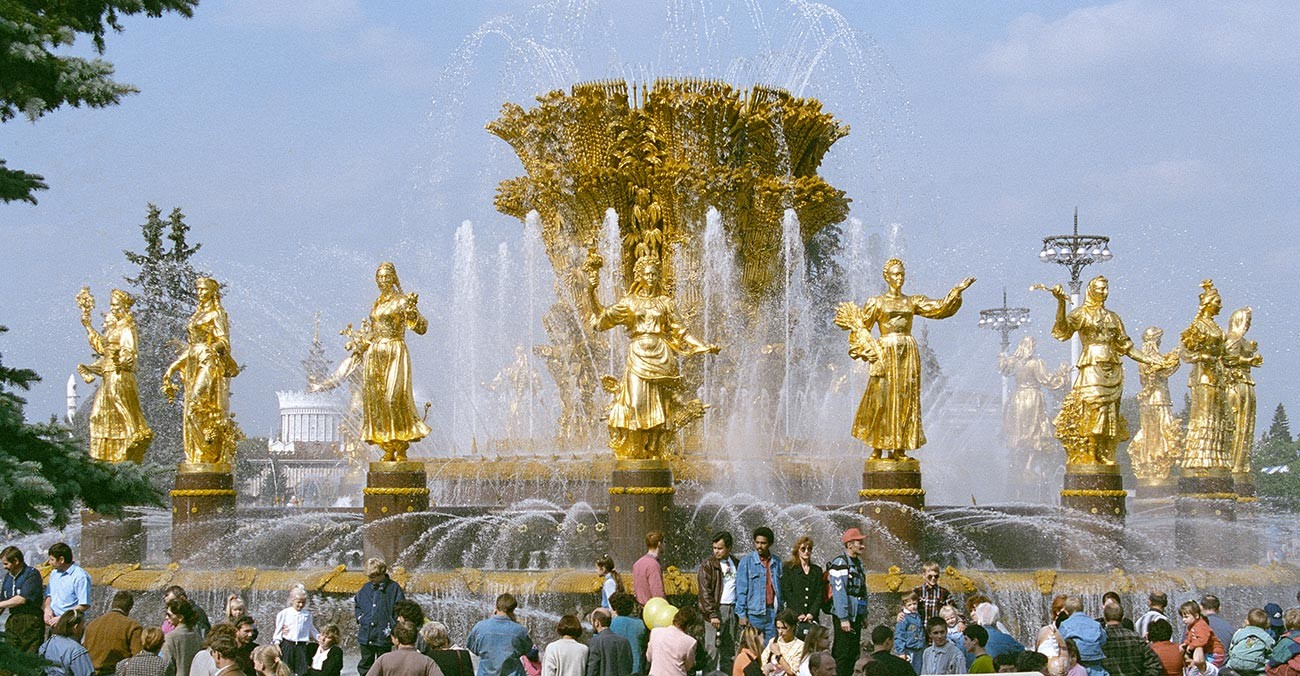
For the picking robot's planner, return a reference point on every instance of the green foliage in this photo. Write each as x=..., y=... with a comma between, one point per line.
x=165, y=298
x=45, y=474
x=36, y=79
x=1278, y=449
x=1280, y=428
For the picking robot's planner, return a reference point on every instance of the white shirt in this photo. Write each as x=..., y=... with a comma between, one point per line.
x=728, y=582
x=294, y=625
x=203, y=664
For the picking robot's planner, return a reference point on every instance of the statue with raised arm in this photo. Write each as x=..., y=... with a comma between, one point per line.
x=889, y=417
x=1158, y=444
x=118, y=431
x=1025, y=425
x=1203, y=348
x=647, y=409
x=1240, y=356
x=206, y=367
x=1090, y=425
x=390, y=419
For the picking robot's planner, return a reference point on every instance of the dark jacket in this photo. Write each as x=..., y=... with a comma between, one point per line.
x=803, y=593
x=332, y=666
x=374, y=605
x=608, y=654
x=710, y=585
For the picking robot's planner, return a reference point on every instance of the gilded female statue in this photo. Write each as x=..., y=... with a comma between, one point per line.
x=206, y=367
x=1203, y=348
x=646, y=409
x=118, y=431
x=889, y=416
x=390, y=420
x=1159, y=441
x=1025, y=424
x=1090, y=425
x=1240, y=356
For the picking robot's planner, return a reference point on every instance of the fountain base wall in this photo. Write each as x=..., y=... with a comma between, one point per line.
x=640, y=500
x=203, y=508
x=392, y=489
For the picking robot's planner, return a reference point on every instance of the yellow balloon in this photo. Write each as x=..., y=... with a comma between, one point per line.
x=659, y=614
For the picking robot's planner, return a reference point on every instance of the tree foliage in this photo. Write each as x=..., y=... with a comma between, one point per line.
x=1275, y=451
x=37, y=77
x=1280, y=428
x=165, y=299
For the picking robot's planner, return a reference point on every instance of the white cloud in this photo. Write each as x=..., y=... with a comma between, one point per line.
x=1074, y=59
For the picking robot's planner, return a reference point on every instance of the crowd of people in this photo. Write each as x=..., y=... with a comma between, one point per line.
x=754, y=615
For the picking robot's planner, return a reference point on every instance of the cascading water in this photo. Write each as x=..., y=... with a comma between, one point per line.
x=466, y=306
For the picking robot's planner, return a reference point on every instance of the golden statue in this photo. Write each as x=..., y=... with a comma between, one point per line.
x=206, y=367
x=1240, y=356
x=1202, y=347
x=520, y=383
x=1025, y=424
x=647, y=408
x=390, y=419
x=1089, y=424
x=1158, y=443
x=349, y=371
x=889, y=416
x=118, y=431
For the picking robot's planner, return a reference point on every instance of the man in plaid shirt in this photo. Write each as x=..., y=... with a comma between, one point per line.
x=931, y=596
x=1126, y=653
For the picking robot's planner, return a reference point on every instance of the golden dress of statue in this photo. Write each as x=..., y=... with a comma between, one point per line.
x=1158, y=444
x=1202, y=347
x=1025, y=424
x=647, y=408
x=390, y=419
x=118, y=431
x=206, y=367
x=889, y=416
x=1089, y=424
x=1240, y=356
x=519, y=382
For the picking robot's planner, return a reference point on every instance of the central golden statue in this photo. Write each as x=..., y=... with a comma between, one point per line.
x=1203, y=347
x=646, y=409
x=889, y=416
x=1158, y=444
x=1025, y=424
x=1090, y=425
x=1240, y=356
x=390, y=419
x=118, y=431
x=206, y=367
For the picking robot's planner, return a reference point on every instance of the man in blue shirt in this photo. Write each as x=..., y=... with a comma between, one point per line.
x=499, y=641
x=848, y=583
x=758, y=585
x=23, y=595
x=69, y=587
x=374, y=605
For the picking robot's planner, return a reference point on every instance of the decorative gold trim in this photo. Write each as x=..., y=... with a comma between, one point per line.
x=885, y=492
x=642, y=490
x=201, y=492
x=905, y=465
x=1092, y=493
x=1247, y=498
x=1090, y=468
x=375, y=490
x=1208, y=496
x=203, y=468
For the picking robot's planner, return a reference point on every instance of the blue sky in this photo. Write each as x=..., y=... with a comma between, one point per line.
x=307, y=145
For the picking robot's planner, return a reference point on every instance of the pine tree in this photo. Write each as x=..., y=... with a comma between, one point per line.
x=165, y=299
x=38, y=76
x=1280, y=427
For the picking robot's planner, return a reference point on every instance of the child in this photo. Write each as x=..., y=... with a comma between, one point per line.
x=942, y=657
x=1199, y=634
x=328, y=658
x=1251, y=644
x=295, y=632
x=956, y=630
x=909, y=634
x=976, y=638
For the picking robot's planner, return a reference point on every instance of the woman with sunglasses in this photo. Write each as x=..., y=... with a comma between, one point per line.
x=803, y=588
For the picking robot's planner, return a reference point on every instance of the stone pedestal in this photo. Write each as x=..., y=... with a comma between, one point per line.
x=640, y=499
x=1095, y=489
x=106, y=540
x=203, y=508
x=393, y=489
x=1203, y=494
x=1243, y=484
x=1156, y=489
x=894, y=486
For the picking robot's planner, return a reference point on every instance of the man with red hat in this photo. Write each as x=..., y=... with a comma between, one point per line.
x=848, y=583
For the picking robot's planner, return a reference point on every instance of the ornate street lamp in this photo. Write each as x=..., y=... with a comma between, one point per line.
x=1075, y=252
x=1004, y=320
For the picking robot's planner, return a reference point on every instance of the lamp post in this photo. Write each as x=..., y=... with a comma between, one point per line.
x=1004, y=320
x=1075, y=252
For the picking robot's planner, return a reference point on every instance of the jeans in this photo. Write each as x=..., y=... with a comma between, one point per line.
x=765, y=622
x=720, y=643
x=847, y=646
x=369, y=653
